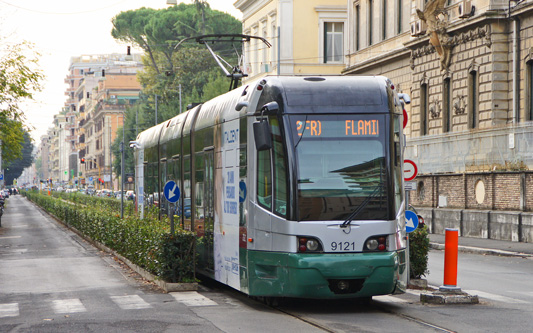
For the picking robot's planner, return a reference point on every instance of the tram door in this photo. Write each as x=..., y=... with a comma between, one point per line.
x=209, y=210
x=204, y=220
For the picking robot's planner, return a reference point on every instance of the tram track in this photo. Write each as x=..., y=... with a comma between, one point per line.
x=379, y=307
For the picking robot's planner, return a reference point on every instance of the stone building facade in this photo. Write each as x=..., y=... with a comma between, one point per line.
x=470, y=120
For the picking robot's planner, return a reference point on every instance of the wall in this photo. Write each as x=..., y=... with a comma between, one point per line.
x=505, y=190
x=499, y=225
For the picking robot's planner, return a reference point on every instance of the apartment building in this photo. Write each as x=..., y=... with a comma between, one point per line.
x=85, y=71
x=103, y=101
x=306, y=36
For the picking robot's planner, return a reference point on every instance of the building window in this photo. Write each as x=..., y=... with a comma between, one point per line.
x=473, y=112
x=447, y=106
x=424, y=109
x=529, y=69
x=264, y=51
x=370, y=20
x=274, y=39
x=400, y=10
x=333, y=37
x=357, y=15
x=383, y=19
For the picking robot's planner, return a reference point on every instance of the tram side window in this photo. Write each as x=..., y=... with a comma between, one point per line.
x=264, y=179
x=398, y=193
x=280, y=170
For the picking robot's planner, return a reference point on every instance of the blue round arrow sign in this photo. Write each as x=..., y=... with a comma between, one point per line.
x=242, y=191
x=172, y=191
x=411, y=221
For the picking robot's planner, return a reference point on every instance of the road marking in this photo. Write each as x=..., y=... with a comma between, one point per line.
x=13, y=251
x=192, y=298
x=389, y=299
x=130, y=302
x=9, y=310
x=494, y=297
x=68, y=306
x=10, y=237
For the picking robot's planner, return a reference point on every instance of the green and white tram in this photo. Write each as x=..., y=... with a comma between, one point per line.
x=293, y=185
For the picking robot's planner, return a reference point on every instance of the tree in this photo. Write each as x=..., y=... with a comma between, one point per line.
x=190, y=66
x=19, y=80
x=159, y=31
x=15, y=168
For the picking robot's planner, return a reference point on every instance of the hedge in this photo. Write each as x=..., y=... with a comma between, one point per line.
x=418, y=252
x=147, y=242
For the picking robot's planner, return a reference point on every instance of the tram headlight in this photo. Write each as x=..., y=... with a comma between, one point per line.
x=312, y=244
x=372, y=244
x=376, y=244
x=309, y=244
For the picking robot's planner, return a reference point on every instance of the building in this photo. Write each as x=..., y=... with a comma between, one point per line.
x=298, y=46
x=103, y=101
x=59, y=150
x=85, y=72
x=467, y=65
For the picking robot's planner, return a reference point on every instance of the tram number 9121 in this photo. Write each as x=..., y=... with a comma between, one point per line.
x=342, y=246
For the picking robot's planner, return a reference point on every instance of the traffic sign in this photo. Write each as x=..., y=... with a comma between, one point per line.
x=172, y=192
x=242, y=191
x=411, y=221
x=410, y=170
x=1, y=176
x=405, y=118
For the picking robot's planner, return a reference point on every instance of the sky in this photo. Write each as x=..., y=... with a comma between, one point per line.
x=61, y=29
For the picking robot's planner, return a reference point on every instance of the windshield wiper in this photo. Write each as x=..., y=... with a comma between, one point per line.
x=356, y=212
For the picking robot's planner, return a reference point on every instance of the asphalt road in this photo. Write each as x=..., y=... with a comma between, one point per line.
x=53, y=281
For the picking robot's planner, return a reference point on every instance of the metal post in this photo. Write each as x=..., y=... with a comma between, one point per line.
x=156, y=109
x=122, y=171
x=171, y=220
x=180, y=96
x=407, y=259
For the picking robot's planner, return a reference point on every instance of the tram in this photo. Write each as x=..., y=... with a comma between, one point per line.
x=293, y=185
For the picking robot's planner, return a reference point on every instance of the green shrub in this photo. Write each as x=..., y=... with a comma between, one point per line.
x=418, y=252
x=147, y=242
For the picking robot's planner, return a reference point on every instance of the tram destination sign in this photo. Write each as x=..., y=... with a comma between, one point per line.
x=335, y=127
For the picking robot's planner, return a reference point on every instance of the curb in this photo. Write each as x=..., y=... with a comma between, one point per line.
x=479, y=250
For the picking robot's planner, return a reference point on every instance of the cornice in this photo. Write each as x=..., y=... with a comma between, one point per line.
x=394, y=54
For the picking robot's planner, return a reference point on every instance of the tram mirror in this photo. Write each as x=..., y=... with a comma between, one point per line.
x=240, y=105
x=270, y=108
x=262, y=136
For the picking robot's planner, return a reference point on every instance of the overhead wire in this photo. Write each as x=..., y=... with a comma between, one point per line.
x=62, y=13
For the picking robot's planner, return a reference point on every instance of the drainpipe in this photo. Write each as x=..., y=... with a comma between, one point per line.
x=516, y=69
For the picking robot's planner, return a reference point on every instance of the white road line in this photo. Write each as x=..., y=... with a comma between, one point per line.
x=10, y=237
x=495, y=297
x=9, y=310
x=68, y=306
x=389, y=299
x=192, y=298
x=130, y=302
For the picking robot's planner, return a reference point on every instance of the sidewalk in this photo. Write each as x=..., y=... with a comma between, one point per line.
x=485, y=246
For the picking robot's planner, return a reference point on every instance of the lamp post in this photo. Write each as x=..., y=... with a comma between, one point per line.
x=122, y=169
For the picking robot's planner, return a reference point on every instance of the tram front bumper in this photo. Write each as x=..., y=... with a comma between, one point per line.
x=343, y=275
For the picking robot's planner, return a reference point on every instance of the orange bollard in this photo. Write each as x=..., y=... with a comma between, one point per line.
x=451, y=249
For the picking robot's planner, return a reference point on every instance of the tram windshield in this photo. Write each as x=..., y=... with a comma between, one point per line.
x=341, y=166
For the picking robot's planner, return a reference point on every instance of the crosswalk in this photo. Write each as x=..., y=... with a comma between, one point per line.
x=125, y=302
x=481, y=294
x=194, y=299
